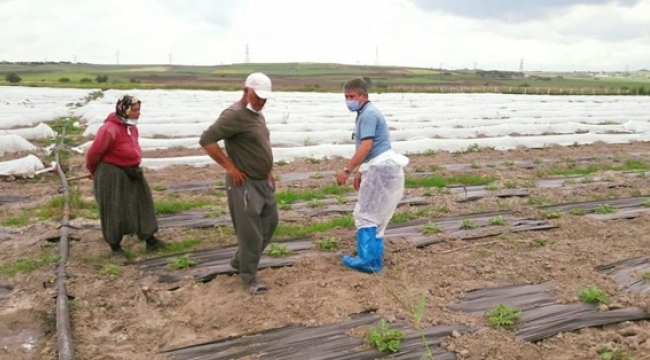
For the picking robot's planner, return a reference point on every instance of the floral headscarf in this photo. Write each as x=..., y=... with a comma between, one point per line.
x=124, y=104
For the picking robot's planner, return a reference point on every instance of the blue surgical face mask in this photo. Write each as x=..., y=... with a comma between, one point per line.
x=353, y=105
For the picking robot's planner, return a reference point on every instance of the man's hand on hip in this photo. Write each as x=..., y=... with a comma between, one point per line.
x=237, y=176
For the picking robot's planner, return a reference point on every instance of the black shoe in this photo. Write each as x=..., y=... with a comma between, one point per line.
x=154, y=244
x=118, y=252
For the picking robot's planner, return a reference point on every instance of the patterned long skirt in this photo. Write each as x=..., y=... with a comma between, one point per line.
x=125, y=203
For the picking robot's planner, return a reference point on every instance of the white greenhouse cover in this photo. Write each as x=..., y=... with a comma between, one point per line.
x=28, y=166
x=13, y=143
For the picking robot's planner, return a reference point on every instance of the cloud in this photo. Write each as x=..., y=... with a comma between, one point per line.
x=512, y=11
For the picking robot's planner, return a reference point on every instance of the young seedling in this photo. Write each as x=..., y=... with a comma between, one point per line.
x=316, y=175
x=543, y=243
x=552, y=214
x=510, y=184
x=587, y=180
x=284, y=205
x=327, y=244
x=578, y=212
x=538, y=161
x=609, y=354
x=182, y=262
x=475, y=166
x=431, y=229
x=605, y=209
x=111, y=269
x=278, y=250
x=592, y=295
x=647, y=203
x=502, y=315
x=383, y=338
x=468, y=225
x=646, y=276
x=341, y=200
x=418, y=169
x=316, y=204
x=509, y=163
x=498, y=221
x=492, y=187
x=529, y=184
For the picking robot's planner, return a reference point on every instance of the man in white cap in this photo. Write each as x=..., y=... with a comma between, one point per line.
x=249, y=179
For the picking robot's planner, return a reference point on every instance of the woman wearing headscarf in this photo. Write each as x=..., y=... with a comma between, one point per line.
x=125, y=203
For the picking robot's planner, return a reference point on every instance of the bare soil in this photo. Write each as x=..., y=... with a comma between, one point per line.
x=133, y=316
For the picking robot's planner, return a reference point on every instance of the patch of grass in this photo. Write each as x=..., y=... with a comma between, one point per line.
x=605, y=209
x=27, y=265
x=327, y=244
x=536, y=200
x=468, y=224
x=628, y=165
x=418, y=169
x=182, y=262
x=431, y=228
x=538, y=161
x=578, y=212
x=510, y=184
x=475, y=166
x=503, y=315
x=383, y=338
x=609, y=354
x=292, y=196
x=180, y=246
x=173, y=206
x=444, y=181
x=592, y=295
x=429, y=152
x=316, y=175
x=110, y=269
x=587, y=179
x=158, y=187
x=17, y=221
x=292, y=231
x=492, y=187
x=403, y=216
x=341, y=200
x=278, y=250
x=79, y=206
x=498, y=221
x=646, y=203
x=543, y=243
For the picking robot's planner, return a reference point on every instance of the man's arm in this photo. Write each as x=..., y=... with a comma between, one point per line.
x=361, y=154
x=223, y=128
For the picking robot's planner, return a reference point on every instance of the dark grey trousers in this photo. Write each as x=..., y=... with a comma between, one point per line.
x=254, y=213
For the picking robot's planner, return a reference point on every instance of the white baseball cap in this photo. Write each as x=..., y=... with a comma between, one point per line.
x=260, y=83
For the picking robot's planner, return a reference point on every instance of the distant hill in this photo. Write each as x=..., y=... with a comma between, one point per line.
x=304, y=76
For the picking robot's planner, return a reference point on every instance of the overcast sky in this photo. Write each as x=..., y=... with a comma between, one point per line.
x=549, y=35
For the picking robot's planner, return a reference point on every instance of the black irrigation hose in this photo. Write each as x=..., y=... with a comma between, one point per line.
x=63, y=328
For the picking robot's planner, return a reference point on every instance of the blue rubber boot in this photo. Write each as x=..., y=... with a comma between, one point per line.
x=370, y=251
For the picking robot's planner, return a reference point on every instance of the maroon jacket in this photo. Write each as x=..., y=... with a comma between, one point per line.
x=114, y=145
